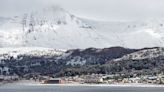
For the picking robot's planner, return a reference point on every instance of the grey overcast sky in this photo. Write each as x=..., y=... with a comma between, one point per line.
x=97, y=9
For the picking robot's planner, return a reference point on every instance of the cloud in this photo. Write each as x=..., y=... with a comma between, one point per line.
x=99, y=9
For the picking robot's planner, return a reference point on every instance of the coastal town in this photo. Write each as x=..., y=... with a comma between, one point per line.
x=87, y=79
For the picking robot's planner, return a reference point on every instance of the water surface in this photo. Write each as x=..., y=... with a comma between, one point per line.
x=60, y=88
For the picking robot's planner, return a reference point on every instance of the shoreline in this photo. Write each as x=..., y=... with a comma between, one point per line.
x=33, y=83
x=6, y=82
x=101, y=85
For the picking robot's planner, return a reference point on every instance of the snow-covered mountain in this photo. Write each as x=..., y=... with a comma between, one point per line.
x=56, y=28
x=52, y=27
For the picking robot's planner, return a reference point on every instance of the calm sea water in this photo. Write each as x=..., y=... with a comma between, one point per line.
x=55, y=88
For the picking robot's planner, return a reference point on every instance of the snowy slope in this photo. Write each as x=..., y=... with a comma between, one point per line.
x=56, y=28
x=143, y=54
x=7, y=53
x=132, y=34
